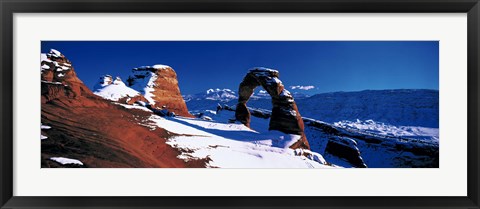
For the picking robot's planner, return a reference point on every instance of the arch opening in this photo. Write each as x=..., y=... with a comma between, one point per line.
x=285, y=116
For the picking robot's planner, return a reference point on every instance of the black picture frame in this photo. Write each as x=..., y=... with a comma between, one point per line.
x=10, y=7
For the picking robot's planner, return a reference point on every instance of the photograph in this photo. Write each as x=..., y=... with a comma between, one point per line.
x=201, y=104
x=239, y=104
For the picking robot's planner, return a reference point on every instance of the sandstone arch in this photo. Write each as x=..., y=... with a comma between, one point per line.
x=285, y=116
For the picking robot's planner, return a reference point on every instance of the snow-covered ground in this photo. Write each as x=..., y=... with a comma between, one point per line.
x=134, y=107
x=114, y=90
x=65, y=161
x=233, y=145
x=44, y=127
x=382, y=129
x=379, y=144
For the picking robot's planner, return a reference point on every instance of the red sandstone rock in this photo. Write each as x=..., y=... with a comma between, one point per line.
x=56, y=68
x=91, y=129
x=159, y=85
x=285, y=115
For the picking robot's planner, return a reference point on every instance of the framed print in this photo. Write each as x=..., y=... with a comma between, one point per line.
x=263, y=104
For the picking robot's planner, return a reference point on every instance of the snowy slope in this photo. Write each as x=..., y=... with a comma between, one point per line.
x=382, y=129
x=378, y=145
x=114, y=90
x=232, y=145
x=346, y=143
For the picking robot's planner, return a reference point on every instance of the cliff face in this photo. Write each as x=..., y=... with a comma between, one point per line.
x=90, y=129
x=159, y=85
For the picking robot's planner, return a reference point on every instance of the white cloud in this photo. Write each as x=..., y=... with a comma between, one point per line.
x=302, y=87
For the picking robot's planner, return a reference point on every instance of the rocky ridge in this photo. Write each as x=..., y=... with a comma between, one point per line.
x=79, y=126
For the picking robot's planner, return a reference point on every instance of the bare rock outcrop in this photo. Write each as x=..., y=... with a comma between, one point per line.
x=56, y=68
x=90, y=129
x=159, y=85
x=60, y=84
x=285, y=116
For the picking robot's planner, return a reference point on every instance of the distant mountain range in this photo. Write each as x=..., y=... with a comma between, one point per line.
x=223, y=95
x=413, y=107
x=227, y=95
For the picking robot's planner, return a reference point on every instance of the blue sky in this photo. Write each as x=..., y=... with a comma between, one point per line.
x=327, y=65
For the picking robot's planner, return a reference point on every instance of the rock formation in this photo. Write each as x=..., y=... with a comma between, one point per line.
x=55, y=69
x=116, y=90
x=285, y=116
x=88, y=128
x=103, y=81
x=340, y=143
x=159, y=85
x=59, y=80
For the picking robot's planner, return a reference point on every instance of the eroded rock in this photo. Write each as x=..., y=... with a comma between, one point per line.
x=285, y=116
x=60, y=84
x=56, y=68
x=159, y=85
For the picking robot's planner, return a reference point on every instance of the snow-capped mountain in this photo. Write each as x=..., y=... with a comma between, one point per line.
x=223, y=95
x=260, y=94
x=227, y=95
x=299, y=95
